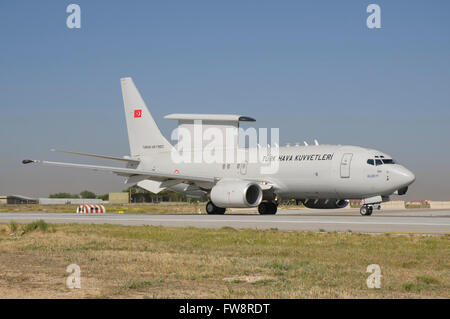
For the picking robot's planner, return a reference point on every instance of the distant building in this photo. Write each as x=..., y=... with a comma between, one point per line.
x=355, y=202
x=119, y=198
x=135, y=198
x=69, y=201
x=419, y=203
x=148, y=198
x=19, y=199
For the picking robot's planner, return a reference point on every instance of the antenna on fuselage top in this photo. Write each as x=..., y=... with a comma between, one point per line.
x=316, y=142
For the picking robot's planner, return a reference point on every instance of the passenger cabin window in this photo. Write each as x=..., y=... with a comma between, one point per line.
x=370, y=162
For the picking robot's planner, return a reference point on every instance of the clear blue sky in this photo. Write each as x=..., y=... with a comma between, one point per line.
x=312, y=68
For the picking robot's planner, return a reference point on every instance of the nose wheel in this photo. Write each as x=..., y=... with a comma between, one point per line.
x=366, y=210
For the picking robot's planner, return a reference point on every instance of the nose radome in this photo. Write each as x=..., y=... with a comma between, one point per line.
x=411, y=177
x=404, y=175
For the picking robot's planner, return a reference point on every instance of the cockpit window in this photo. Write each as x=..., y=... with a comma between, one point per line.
x=380, y=160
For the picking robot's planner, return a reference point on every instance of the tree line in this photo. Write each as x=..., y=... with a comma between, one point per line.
x=137, y=193
x=84, y=194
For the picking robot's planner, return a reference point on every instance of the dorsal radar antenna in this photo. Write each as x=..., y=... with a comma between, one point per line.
x=316, y=142
x=304, y=142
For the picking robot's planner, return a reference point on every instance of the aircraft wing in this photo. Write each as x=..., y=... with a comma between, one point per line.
x=129, y=172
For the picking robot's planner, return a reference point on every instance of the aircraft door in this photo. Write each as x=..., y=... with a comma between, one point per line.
x=345, y=165
x=243, y=168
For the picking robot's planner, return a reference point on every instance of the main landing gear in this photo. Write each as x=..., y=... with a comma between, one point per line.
x=267, y=208
x=366, y=210
x=212, y=209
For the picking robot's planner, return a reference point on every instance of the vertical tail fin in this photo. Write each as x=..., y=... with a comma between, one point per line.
x=144, y=136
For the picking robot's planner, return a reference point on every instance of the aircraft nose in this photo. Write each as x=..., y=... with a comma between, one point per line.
x=404, y=176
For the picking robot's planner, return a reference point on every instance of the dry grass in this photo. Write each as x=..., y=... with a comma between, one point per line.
x=163, y=208
x=160, y=262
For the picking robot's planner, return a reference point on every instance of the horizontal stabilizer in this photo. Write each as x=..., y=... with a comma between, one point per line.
x=122, y=159
x=127, y=172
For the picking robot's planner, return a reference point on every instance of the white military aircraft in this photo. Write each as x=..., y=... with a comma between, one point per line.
x=319, y=176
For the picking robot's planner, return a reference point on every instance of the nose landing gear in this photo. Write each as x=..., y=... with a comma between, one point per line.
x=366, y=210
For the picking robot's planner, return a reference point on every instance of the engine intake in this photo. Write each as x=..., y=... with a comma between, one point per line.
x=236, y=193
x=325, y=203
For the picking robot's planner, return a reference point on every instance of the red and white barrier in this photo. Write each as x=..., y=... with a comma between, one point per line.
x=91, y=209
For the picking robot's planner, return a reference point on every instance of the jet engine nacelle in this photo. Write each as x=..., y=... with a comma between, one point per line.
x=236, y=194
x=325, y=203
